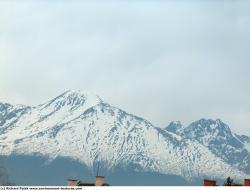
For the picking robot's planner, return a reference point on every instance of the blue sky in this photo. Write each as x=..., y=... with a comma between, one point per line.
x=162, y=60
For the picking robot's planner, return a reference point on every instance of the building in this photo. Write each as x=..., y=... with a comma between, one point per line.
x=247, y=182
x=208, y=182
x=229, y=182
x=99, y=181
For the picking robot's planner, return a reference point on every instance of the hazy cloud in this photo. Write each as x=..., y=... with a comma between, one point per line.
x=162, y=60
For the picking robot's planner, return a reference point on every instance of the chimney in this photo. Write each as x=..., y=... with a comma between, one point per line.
x=247, y=182
x=209, y=182
x=99, y=180
x=72, y=182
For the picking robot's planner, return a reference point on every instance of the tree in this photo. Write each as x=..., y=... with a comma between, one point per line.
x=228, y=182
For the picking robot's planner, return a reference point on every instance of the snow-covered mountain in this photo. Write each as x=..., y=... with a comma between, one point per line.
x=85, y=128
x=219, y=139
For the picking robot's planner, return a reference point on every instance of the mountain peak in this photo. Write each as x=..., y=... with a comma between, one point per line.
x=79, y=93
x=203, y=122
x=74, y=98
x=174, y=127
x=208, y=127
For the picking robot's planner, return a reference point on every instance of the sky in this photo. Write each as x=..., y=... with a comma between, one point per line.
x=161, y=60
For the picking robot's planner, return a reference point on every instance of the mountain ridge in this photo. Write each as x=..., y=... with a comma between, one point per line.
x=87, y=129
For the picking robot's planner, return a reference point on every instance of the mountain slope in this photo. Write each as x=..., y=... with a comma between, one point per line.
x=85, y=128
x=218, y=138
